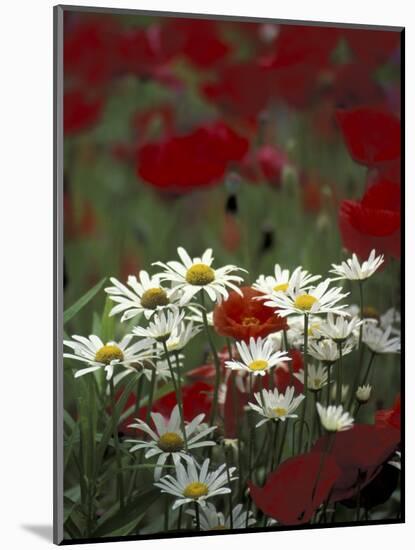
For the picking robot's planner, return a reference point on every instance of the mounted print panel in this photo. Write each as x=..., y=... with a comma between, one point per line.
x=228, y=275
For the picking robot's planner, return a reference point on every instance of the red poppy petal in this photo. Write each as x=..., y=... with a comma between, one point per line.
x=372, y=136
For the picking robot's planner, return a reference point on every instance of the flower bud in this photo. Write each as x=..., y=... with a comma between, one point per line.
x=363, y=394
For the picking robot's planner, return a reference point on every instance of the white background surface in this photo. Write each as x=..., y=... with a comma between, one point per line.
x=26, y=269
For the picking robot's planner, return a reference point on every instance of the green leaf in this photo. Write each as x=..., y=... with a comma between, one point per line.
x=124, y=521
x=107, y=322
x=82, y=302
x=108, y=429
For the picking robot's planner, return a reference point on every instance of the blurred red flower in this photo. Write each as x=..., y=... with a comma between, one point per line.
x=193, y=160
x=372, y=136
x=241, y=89
x=390, y=417
x=80, y=110
x=243, y=317
x=355, y=85
x=359, y=453
x=372, y=48
x=203, y=44
x=294, y=491
x=90, y=49
x=373, y=222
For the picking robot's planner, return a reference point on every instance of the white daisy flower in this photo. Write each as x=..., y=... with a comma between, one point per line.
x=145, y=295
x=276, y=406
x=161, y=367
x=391, y=318
x=98, y=355
x=212, y=520
x=194, y=483
x=352, y=270
x=181, y=336
x=363, y=393
x=168, y=439
x=197, y=275
x=315, y=301
x=257, y=357
x=378, y=340
x=327, y=350
x=338, y=328
x=281, y=280
x=317, y=377
x=162, y=326
x=334, y=419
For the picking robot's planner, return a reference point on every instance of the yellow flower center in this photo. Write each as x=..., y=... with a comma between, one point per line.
x=200, y=275
x=305, y=302
x=280, y=411
x=250, y=322
x=281, y=287
x=170, y=442
x=259, y=364
x=218, y=528
x=108, y=353
x=154, y=297
x=195, y=490
x=317, y=382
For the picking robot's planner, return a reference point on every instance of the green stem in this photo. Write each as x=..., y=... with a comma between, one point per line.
x=120, y=481
x=177, y=388
x=274, y=452
x=285, y=338
x=166, y=514
x=340, y=376
x=179, y=518
x=197, y=516
x=360, y=348
x=216, y=360
x=369, y=366
x=228, y=475
x=329, y=367
x=303, y=414
x=284, y=435
x=136, y=412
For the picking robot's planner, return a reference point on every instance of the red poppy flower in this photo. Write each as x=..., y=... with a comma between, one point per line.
x=241, y=89
x=243, y=317
x=390, y=417
x=355, y=85
x=193, y=160
x=359, y=452
x=294, y=491
x=272, y=161
x=80, y=111
x=372, y=136
x=89, y=49
x=372, y=48
x=203, y=44
x=374, y=222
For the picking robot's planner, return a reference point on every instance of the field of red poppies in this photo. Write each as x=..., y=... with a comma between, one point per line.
x=232, y=243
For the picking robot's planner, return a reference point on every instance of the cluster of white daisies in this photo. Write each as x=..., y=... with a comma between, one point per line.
x=173, y=305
